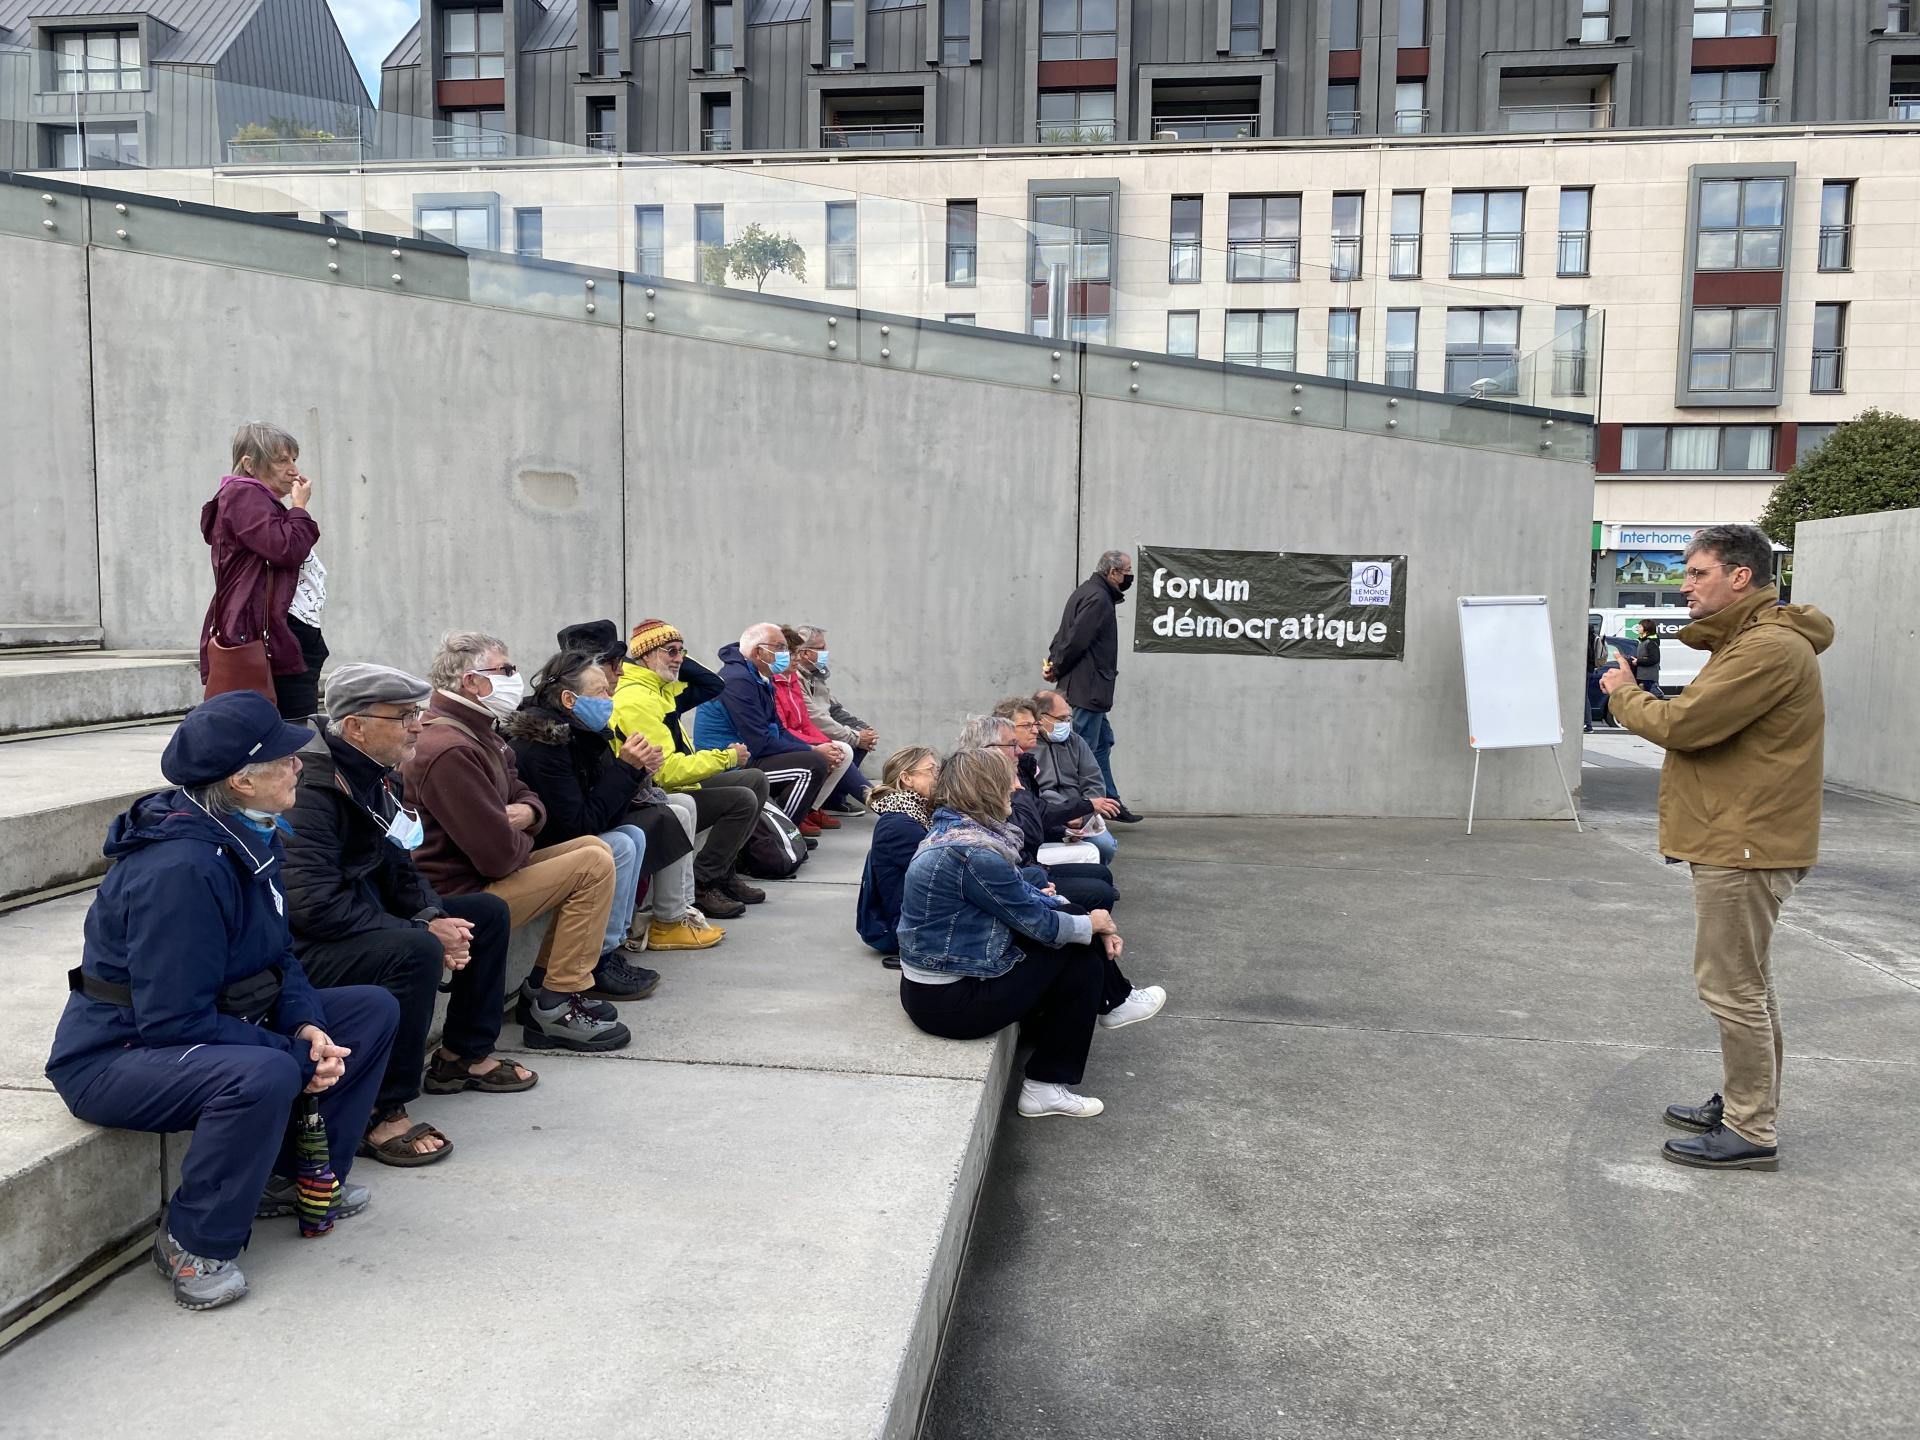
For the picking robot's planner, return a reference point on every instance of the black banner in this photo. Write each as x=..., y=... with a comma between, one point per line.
x=1265, y=602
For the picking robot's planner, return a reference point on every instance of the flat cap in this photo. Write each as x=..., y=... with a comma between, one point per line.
x=352, y=688
x=224, y=735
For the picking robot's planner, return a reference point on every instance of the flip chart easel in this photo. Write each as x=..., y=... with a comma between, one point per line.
x=1513, y=693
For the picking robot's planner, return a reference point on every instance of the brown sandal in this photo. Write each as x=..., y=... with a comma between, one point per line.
x=399, y=1150
x=451, y=1077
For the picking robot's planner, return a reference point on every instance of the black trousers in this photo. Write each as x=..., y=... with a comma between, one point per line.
x=298, y=696
x=1089, y=887
x=725, y=808
x=408, y=963
x=1053, y=994
x=796, y=780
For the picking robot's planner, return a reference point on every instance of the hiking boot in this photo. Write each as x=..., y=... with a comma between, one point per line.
x=282, y=1197
x=1697, y=1118
x=736, y=888
x=198, y=1283
x=822, y=819
x=523, y=1012
x=1138, y=1006
x=690, y=932
x=1039, y=1098
x=615, y=979
x=572, y=1026
x=716, y=901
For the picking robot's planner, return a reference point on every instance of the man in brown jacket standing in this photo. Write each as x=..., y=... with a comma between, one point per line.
x=1740, y=803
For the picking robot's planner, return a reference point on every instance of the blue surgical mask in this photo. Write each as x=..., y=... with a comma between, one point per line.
x=594, y=712
x=820, y=663
x=1060, y=731
x=782, y=661
x=406, y=830
x=265, y=821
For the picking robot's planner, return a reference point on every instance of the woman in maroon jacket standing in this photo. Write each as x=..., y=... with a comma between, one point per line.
x=262, y=631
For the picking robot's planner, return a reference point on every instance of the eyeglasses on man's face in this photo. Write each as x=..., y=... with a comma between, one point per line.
x=405, y=717
x=502, y=669
x=1695, y=574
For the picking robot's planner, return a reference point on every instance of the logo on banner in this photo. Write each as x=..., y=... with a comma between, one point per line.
x=1372, y=583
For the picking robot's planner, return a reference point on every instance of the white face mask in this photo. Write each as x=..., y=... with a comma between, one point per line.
x=1060, y=731
x=508, y=690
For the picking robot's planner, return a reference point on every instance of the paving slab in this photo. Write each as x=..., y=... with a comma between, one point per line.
x=58, y=793
x=58, y=692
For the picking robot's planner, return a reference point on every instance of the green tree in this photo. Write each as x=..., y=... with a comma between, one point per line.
x=1871, y=463
x=754, y=256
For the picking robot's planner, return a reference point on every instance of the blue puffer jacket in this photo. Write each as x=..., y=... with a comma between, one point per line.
x=744, y=712
x=190, y=907
x=965, y=901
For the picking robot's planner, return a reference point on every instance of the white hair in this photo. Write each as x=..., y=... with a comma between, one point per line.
x=754, y=636
x=982, y=732
x=459, y=652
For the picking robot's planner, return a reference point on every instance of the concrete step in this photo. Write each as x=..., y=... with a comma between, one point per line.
x=57, y=795
x=65, y=691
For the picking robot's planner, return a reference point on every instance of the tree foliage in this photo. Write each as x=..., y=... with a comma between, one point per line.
x=755, y=256
x=279, y=127
x=1869, y=464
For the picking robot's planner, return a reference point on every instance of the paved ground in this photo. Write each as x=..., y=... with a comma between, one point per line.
x=1388, y=1165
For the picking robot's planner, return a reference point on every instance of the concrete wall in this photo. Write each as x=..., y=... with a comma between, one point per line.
x=1232, y=734
x=1860, y=571
x=52, y=587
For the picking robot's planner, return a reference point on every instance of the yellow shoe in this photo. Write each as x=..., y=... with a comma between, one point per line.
x=683, y=935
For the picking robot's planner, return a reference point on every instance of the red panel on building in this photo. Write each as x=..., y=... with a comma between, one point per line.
x=470, y=94
x=1079, y=74
x=1737, y=287
x=1343, y=65
x=1413, y=64
x=1786, y=446
x=1606, y=448
x=1744, y=52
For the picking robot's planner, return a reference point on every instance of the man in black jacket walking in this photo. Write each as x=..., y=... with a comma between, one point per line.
x=1084, y=660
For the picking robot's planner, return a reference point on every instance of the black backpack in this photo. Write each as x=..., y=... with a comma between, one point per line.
x=775, y=849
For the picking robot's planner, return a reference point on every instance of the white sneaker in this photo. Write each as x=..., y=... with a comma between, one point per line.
x=1140, y=1005
x=1037, y=1099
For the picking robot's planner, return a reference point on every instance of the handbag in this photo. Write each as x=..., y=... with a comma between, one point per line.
x=238, y=667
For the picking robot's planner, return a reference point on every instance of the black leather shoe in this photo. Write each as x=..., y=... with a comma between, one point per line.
x=1697, y=1118
x=1721, y=1149
x=1126, y=817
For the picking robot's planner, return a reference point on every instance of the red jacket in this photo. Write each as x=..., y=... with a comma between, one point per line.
x=258, y=545
x=462, y=777
x=790, y=703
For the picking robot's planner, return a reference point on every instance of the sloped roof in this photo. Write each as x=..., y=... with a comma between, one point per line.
x=201, y=29
x=658, y=19
x=407, y=52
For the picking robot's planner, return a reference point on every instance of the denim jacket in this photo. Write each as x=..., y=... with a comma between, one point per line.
x=963, y=902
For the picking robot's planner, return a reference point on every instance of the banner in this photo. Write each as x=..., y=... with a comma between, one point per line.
x=1265, y=602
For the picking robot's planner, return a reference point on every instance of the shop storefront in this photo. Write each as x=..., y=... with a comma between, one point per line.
x=1641, y=565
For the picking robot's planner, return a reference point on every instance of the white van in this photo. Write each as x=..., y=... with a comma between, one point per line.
x=1679, y=664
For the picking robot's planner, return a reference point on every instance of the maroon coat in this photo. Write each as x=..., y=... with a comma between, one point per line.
x=258, y=546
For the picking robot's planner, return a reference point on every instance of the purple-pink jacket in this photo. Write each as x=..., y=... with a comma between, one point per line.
x=258, y=546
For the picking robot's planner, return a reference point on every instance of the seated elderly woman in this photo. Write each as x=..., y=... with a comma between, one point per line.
x=900, y=802
x=980, y=948
x=190, y=1011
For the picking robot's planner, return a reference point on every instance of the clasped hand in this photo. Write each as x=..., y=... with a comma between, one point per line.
x=329, y=1059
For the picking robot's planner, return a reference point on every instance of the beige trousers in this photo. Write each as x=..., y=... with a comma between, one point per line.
x=1734, y=912
x=576, y=879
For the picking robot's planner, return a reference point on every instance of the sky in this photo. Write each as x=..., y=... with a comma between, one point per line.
x=372, y=28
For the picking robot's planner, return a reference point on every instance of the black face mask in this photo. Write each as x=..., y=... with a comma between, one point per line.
x=1125, y=583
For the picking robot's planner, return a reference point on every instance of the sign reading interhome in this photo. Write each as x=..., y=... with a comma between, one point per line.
x=1263, y=602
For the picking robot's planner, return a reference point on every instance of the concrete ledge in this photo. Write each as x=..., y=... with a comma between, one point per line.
x=57, y=795
x=61, y=692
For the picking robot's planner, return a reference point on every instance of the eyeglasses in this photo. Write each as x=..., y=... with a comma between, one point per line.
x=1695, y=574
x=1026, y=724
x=675, y=652
x=405, y=717
x=495, y=670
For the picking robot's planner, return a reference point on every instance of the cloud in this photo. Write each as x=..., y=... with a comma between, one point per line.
x=372, y=28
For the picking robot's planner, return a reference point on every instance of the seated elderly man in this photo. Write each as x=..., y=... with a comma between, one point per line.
x=189, y=1010
x=1068, y=772
x=832, y=719
x=480, y=818
x=800, y=773
x=1088, y=885
x=362, y=915
x=790, y=704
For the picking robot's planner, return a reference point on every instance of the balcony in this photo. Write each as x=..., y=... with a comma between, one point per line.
x=1345, y=263
x=606, y=140
x=1483, y=373
x=1557, y=117
x=1827, y=371
x=1480, y=256
x=1402, y=368
x=1343, y=122
x=716, y=139
x=1075, y=132
x=843, y=266
x=963, y=263
x=1255, y=260
x=1343, y=364
x=1570, y=373
x=1264, y=359
x=1733, y=112
x=1411, y=122
x=1403, y=257
x=871, y=137
x=1905, y=107
x=480, y=145
x=349, y=151
x=1572, y=259
x=1836, y=247
x=1206, y=127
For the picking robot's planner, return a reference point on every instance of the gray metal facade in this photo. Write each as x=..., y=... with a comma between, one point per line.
x=1486, y=65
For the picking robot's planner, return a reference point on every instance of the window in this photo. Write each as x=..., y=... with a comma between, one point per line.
x=1243, y=32
x=1733, y=348
x=1669, y=448
x=1740, y=224
x=1836, y=225
x=1811, y=438
x=1343, y=107
x=529, y=233
x=840, y=34
x=603, y=125
x=649, y=240
x=961, y=320
x=1410, y=107
x=607, y=49
x=709, y=234
x=97, y=60
x=1183, y=250
x=716, y=131
x=1345, y=31
x=1829, y=348
x=100, y=147
x=1903, y=89
x=843, y=245
x=1488, y=230
x=1072, y=243
x=468, y=226
x=1728, y=97
x=1899, y=22
x=476, y=42
x=1183, y=332
x=1413, y=24
x=1403, y=248
x=474, y=134
x=963, y=241
x=1076, y=117
x=1262, y=337
x=720, y=36
x=1343, y=344
x=1719, y=19
x=956, y=32
x=1347, y=239
x=1570, y=350
x=1403, y=348
x=1576, y=231
x=1078, y=30
x=1263, y=237
x=1483, y=350
x=1596, y=22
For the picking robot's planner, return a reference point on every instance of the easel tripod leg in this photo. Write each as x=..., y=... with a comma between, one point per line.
x=1578, y=827
x=1473, y=795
